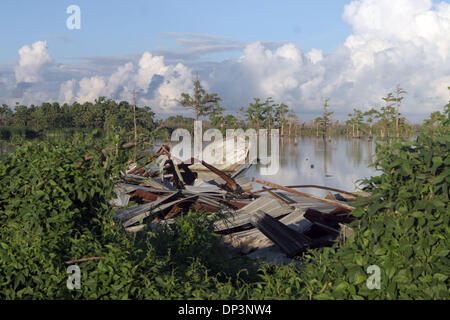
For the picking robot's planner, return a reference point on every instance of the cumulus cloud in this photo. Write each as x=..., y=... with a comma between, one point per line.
x=404, y=42
x=31, y=61
x=159, y=84
x=91, y=89
x=66, y=91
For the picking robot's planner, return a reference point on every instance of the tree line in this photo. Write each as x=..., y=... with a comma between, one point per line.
x=105, y=114
x=109, y=115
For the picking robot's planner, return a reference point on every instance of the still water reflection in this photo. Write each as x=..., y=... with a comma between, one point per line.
x=338, y=163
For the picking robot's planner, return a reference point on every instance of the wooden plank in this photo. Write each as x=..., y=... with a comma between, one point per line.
x=253, y=238
x=353, y=195
x=126, y=214
x=335, y=203
x=229, y=182
x=289, y=241
x=145, y=214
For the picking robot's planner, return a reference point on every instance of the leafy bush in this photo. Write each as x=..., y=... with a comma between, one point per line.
x=403, y=228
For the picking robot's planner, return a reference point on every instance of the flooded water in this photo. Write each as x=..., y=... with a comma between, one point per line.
x=309, y=161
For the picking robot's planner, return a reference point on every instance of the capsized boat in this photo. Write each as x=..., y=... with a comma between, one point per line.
x=235, y=153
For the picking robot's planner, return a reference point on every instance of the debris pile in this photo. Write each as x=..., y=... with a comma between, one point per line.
x=276, y=223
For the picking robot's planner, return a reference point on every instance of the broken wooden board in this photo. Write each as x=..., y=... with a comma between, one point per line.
x=129, y=213
x=247, y=241
x=152, y=210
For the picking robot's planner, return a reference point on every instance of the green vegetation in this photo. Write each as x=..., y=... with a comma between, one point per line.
x=51, y=119
x=54, y=208
x=111, y=116
x=201, y=102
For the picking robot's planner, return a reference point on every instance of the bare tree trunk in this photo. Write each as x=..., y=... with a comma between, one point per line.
x=396, y=118
x=134, y=116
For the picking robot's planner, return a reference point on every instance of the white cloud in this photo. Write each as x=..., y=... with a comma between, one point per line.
x=66, y=91
x=31, y=61
x=119, y=78
x=148, y=67
x=91, y=89
x=162, y=94
x=404, y=42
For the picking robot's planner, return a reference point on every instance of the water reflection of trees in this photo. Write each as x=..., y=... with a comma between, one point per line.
x=355, y=151
x=323, y=149
x=292, y=154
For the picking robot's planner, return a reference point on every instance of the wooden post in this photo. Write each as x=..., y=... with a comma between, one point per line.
x=333, y=203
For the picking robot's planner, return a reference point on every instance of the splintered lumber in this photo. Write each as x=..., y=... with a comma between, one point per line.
x=129, y=213
x=291, y=242
x=229, y=182
x=354, y=195
x=346, y=232
x=173, y=169
x=128, y=188
x=334, y=203
x=84, y=260
x=144, y=181
x=147, y=212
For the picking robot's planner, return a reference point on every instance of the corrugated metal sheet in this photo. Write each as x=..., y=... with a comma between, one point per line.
x=273, y=207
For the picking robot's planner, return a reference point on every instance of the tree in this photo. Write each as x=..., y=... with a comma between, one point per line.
x=435, y=119
x=318, y=121
x=280, y=116
x=256, y=113
x=398, y=99
x=201, y=101
x=22, y=116
x=5, y=115
x=216, y=116
x=370, y=115
x=387, y=114
x=356, y=120
x=268, y=109
x=326, y=118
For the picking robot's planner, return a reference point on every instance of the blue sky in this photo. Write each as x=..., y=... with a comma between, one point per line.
x=129, y=27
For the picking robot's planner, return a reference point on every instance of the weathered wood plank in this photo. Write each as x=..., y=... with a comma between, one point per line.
x=334, y=203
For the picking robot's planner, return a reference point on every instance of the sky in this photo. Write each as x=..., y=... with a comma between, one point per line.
x=299, y=52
